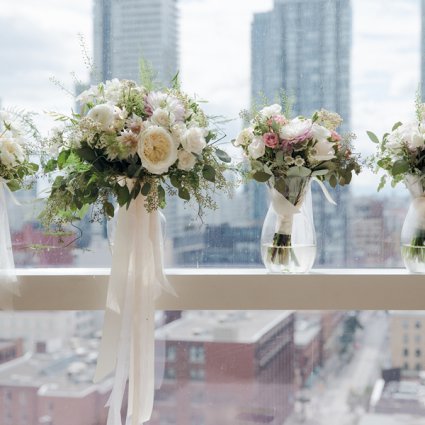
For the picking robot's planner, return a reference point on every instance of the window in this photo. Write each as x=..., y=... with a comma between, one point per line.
x=197, y=354
x=418, y=353
x=406, y=352
x=377, y=73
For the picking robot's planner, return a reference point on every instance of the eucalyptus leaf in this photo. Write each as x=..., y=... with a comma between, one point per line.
x=146, y=188
x=396, y=125
x=298, y=172
x=184, y=194
x=108, y=208
x=399, y=167
x=209, y=173
x=319, y=173
x=261, y=176
x=372, y=136
x=280, y=186
x=175, y=181
x=222, y=155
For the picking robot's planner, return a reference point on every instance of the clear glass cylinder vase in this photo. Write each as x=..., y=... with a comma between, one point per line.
x=288, y=238
x=413, y=231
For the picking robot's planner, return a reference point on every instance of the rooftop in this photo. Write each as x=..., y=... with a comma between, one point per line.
x=66, y=373
x=245, y=327
x=306, y=331
x=391, y=419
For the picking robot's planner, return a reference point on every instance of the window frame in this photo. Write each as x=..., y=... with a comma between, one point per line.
x=232, y=289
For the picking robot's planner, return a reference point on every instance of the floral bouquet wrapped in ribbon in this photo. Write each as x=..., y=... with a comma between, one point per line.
x=16, y=132
x=401, y=154
x=288, y=154
x=135, y=145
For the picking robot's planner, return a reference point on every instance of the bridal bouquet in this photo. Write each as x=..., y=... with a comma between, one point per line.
x=16, y=130
x=287, y=154
x=135, y=145
x=401, y=154
x=130, y=141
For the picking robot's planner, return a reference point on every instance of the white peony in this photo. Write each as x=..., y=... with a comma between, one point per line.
x=103, y=114
x=186, y=160
x=88, y=95
x=113, y=90
x=271, y=110
x=297, y=129
x=244, y=137
x=157, y=150
x=410, y=134
x=257, y=148
x=11, y=152
x=194, y=140
x=178, y=131
x=162, y=117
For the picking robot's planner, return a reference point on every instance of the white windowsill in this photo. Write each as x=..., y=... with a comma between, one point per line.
x=233, y=289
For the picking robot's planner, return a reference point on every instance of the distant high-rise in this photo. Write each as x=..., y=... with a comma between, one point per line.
x=126, y=31
x=303, y=47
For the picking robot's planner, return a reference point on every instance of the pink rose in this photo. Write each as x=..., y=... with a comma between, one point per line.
x=335, y=136
x=271, y=140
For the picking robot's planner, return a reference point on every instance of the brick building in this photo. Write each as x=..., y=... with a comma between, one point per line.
x=227, y=367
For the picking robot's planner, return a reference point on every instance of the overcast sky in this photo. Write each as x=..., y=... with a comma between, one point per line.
x=40, y=40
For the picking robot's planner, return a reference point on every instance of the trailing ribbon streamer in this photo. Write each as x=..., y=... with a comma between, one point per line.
x=128, y=341
x=8, y=281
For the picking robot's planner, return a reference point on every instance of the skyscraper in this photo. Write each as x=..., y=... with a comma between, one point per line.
x=127, y=31
x=303, y=47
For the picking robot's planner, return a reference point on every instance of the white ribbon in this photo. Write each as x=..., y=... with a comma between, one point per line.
x=8, y=281
x=285, y=210
x=128, y=340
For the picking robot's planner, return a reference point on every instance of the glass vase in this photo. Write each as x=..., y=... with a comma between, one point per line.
x=413, y=231
x=288, y=238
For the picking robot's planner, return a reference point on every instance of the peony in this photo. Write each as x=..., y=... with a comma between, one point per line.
x=10, y=152
x=178, y=131
x=157, y=150
x=194, y=140
x=271, y=110
x=186, y=160
x=410, y=134
x=135, y=124
x=297, y=130
x=156, y=100
x=271, y=140
x=244, y=137
x=103, y=114
x=257, y=148
x=162, y=117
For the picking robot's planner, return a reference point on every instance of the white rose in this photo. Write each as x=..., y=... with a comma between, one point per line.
x=186, y=160
x=162, y=117
x=103, y=114
x=320, y=133
x=296, y=129
x=257, y=148
x=194, y=140
x=244, y=137
x=271, y=110
x=157, y=150
x=324, y=151
x=10, y=152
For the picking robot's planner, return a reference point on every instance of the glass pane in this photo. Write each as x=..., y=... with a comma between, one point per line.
x=238, y=367
x=357, y=58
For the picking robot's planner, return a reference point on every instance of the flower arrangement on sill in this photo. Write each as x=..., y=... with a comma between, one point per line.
x=287, y=154
x=401, y=155
x=17, y=132
x=133, y=144
x=132, y=140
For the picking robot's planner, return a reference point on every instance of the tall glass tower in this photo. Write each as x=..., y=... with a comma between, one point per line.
x=126, y=31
